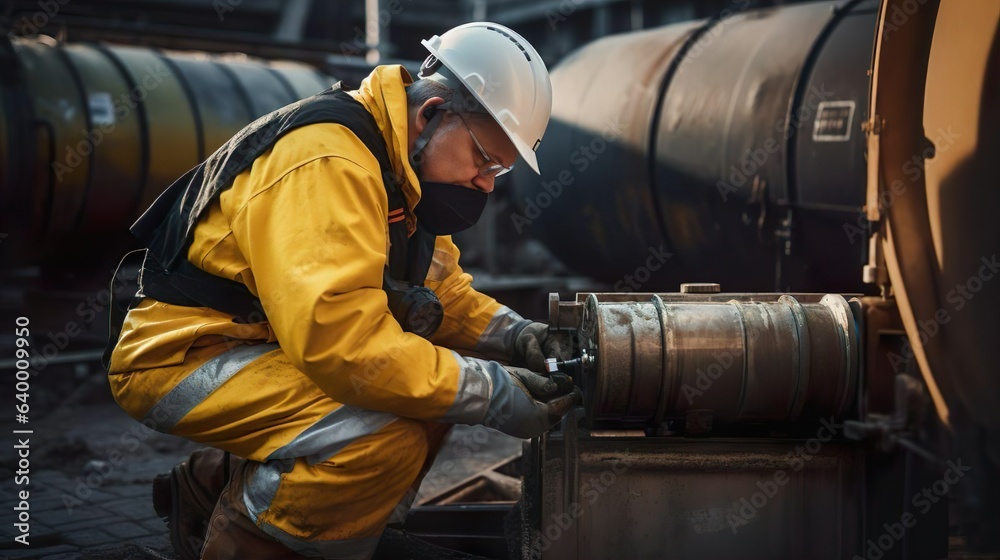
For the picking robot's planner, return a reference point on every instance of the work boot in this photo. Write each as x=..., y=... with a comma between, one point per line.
x=185, y=497
x=232, y=535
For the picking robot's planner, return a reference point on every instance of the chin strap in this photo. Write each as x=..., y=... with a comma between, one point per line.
x=425, y=135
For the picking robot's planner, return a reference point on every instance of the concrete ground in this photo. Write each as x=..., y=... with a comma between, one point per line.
x=91, y=469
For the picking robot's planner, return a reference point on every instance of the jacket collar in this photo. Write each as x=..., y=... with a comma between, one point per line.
x=383, y=93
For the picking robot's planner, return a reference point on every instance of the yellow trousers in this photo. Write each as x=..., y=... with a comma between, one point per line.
x=325, y=478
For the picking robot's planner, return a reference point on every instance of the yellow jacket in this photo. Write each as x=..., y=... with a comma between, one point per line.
x=305, y=229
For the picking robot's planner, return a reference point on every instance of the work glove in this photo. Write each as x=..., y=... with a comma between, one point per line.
x=534, y=343
x=525, y=404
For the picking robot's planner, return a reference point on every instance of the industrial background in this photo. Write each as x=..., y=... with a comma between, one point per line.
x=818, y=174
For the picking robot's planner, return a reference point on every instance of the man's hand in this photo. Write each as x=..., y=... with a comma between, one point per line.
x=525, y=404
x=534, y=343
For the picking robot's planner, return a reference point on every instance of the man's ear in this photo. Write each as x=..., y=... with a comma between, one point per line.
x=425, y=112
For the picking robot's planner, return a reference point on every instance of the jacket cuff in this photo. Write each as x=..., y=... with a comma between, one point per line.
x=497, y=340
x=475, y=390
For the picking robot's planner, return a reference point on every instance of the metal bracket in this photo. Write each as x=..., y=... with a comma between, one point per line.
x=874, y=126
x=564, y=315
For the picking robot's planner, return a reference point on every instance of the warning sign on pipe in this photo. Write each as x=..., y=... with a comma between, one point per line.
x=833, y=121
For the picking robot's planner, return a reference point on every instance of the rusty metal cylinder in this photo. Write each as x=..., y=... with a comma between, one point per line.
x=739, y=360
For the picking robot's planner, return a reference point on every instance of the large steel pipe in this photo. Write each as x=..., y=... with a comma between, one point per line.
x=739, y=360
x=91, y=134
x=732, y=144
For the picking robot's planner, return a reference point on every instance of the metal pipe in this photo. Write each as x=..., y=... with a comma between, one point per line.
x=738, y=361
x=733, y=144
x=111, y=126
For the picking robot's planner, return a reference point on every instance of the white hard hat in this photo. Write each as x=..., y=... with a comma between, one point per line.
x=505, y=75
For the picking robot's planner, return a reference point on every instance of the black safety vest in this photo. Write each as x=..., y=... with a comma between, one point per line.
x=166, y=228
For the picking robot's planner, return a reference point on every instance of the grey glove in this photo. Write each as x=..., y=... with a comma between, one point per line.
x=525, y=404
x=534, y=343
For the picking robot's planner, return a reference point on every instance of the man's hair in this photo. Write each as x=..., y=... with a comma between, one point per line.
x=423, y=89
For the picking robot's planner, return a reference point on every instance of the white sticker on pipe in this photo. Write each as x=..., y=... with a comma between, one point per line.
x=102, y=109
x=834, y=121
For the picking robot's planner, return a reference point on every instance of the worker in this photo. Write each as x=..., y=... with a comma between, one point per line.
x=302, y=310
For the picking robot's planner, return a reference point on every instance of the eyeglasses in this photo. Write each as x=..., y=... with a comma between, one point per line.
x=490, y=168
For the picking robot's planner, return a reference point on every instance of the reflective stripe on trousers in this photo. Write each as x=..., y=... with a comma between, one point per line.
x=318, y=442
x=299, y=514
x=201, y=383
x=258, y=494
x=338, y=508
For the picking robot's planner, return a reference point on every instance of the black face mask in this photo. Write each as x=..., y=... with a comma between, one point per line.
x=445, y=209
